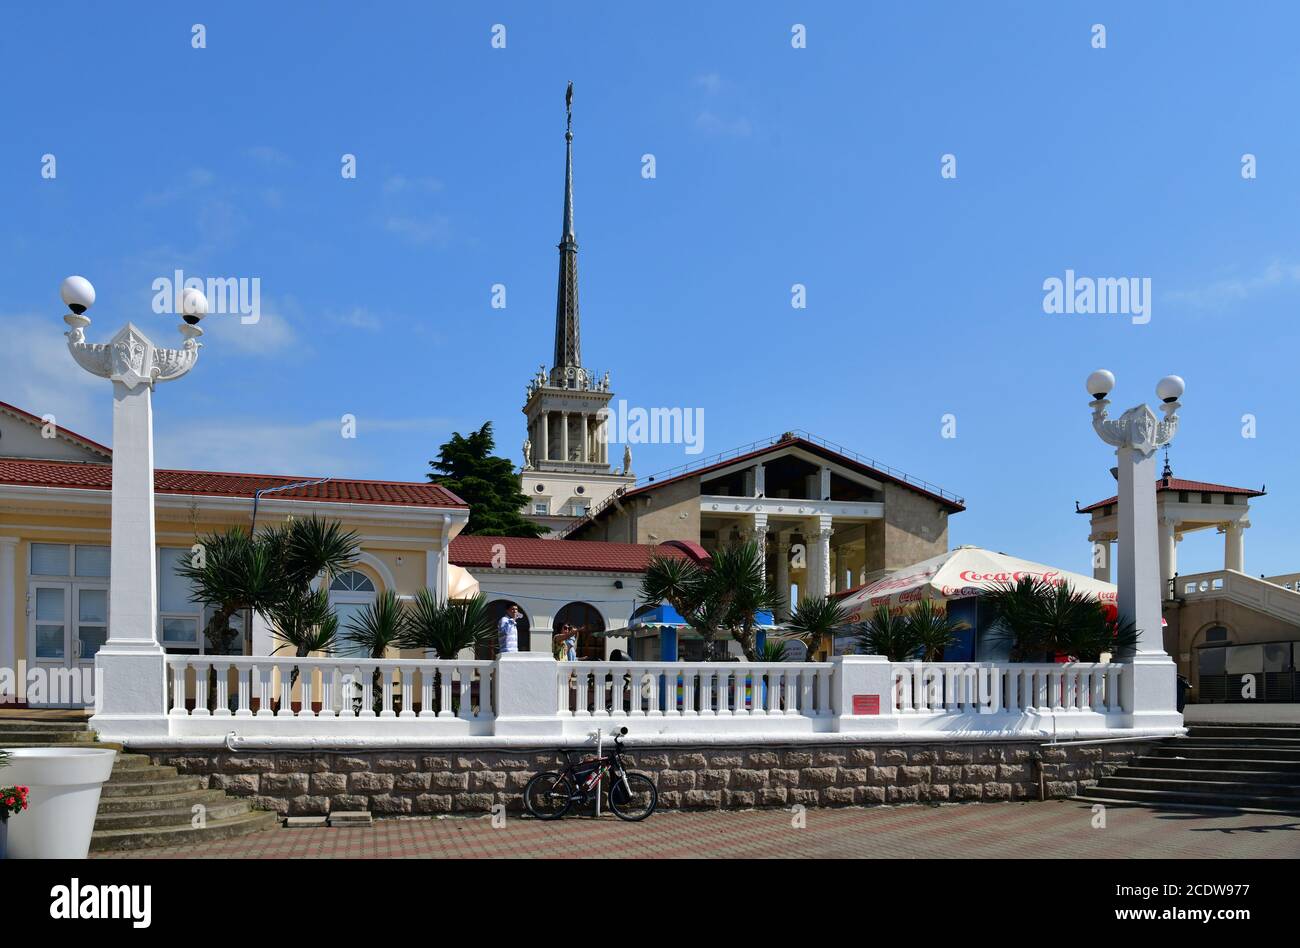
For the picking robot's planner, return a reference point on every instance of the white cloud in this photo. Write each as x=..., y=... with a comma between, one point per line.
x=435, y=228
x=271, y=334
x=711, y=82
x=397, y=183
x=38, y=375
x=714, y=124
x=358, y=317
x=269, y=155
x=310, y=449
x=1235, y=289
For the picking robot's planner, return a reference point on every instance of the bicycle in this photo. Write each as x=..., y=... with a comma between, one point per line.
x=551, y=794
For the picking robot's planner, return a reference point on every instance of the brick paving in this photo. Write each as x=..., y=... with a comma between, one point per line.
x=1050, y=830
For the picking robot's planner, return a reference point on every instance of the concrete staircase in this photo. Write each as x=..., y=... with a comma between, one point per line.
x=1243, y=768
x=144, y=805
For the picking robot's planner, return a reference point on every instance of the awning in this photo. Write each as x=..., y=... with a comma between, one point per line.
x=961, y=573
x=664, y=616
x=460, y=584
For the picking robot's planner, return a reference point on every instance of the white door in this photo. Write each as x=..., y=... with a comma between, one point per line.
x=67, y=624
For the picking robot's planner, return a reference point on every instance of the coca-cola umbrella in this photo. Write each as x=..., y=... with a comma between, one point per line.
x=958, y=574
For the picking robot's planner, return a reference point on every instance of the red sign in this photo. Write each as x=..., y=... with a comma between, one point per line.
x=866, y=704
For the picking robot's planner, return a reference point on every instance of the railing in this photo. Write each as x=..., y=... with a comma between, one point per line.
x=695, y=689
x=985, y=688
x=341, y=689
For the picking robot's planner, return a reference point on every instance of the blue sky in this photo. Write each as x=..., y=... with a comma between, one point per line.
x=775, y=166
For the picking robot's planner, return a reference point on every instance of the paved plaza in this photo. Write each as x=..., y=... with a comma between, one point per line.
x=1051, y=830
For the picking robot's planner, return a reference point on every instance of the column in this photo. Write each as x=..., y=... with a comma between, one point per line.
x=760, y=480
x=584, y=453
x=1168, y=554
x=760, y=538
x=820, y=584
x=1099, y=551
x=1139, y=549
x=564, y=436
x=546, y=436
x=1234, y=554
x=825, y=484
x=783, y=572
x=8, y=605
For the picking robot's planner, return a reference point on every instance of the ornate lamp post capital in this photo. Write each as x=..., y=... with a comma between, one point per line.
x=131, y=357
x=1138, y=428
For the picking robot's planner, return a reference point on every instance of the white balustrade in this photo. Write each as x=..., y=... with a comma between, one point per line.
x=310, y=695
x=950, y=688
x=694, y=689
x=346, y=699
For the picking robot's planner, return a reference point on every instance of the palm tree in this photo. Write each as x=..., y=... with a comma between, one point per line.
x=304, y=621
x=447, y=628
x=814, y=619
x=932, y=629
x=773, y=651
x=889, y=635
x=379, y=627
x=1041, y=619
x=737, y=579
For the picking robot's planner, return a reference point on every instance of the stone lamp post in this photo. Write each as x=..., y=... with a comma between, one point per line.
x=1148, y=689
x=130, y=687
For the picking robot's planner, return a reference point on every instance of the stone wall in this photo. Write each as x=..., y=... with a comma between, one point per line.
x=429, y=782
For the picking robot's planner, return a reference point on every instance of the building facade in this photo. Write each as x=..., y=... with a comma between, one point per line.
x=55, y=506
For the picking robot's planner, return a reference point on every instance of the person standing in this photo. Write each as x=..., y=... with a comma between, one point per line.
x=567, y=638
x=508, y=630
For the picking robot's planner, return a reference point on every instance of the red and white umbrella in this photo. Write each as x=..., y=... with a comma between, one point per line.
x=960, y=573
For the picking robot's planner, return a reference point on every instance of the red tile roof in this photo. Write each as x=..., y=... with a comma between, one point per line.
x=71, y=435
x=1177, y=483
x=583, y=555
x=86, y=476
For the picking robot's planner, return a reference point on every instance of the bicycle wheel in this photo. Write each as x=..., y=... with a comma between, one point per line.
x=549, y=795
x=636, y=801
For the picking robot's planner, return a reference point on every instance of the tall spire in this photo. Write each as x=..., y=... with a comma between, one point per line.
x=567, y=367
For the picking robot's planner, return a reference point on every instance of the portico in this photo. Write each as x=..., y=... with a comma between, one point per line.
x=1182, y=507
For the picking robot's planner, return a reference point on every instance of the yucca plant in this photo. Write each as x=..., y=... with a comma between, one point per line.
x=814, y=620
x=447, y=628
x=933, y=630
x=887, y=634
x=304, y=622
x=1040, y=619
x=773, y=651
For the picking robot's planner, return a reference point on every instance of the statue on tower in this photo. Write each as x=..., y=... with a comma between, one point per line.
x=627, y=459
x=528, y=453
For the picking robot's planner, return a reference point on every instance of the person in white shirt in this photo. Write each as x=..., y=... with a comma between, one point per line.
x=508, y=630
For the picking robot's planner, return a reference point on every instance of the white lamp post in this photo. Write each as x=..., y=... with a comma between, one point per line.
x=1149, y=685
x=130, y=685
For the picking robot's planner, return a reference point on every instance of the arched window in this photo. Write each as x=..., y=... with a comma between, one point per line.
x=496, y=609
x=350, y=593
x=589, y=623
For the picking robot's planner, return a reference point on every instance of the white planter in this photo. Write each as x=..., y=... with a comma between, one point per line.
x=60, y=814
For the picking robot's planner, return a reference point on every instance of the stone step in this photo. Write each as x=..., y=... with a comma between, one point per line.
x=215, y=811
x=1208, y=776
x=1225, y=762
x=147, y=787
x=14, y=724
x=45, y=738
x=1285, y=730
x=1216, y=786
x=1232, y=740
x=1189, y=747
x=161, y=801
x=138, y=772
x=125, y=762
x=1184, y=800
x=150, y=837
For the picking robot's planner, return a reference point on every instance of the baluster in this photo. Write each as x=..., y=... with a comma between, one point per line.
x=386, y=681
x=1097, y=694
x=445, y=709
x=638, y=689
x=805, y=690
x=690, y=685
x=824, y=691
x=726, y=703
x=426, y=693
x=221, y=689
x=261, y=682
x=562, y=689
x=307, y=684
x=242, y=709
x=1113, y=671
x=607, y=684
x=178, y=708
x=408, y=693
x=466, y=692
x=652, y=699
x=790, y=684
x=367, y=692
x=581, y=693
x=708, y=703
x=1058, y=686
x=201, y=689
